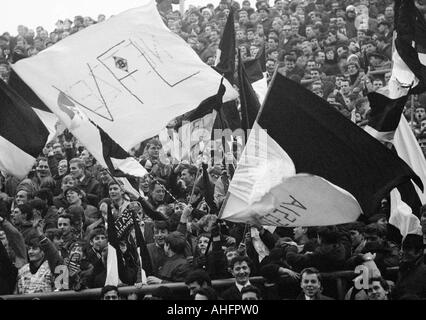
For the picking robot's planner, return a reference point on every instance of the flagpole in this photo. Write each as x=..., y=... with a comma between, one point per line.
x=412, y=112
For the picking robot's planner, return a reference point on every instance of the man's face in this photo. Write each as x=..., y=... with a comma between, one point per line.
x=68, y=183
x=231, y=255
x=250, y=35
x=422, y=143
x=287, y=31
x=423, y=125
x=159, y=236
x=202, y=244
x=263, y=14
x=115, y=192
x=370, y=48
x=306, y=48
x=356, y=237
x=310, y=32
x=310, y=65
x=409, y=256
x=158, y=193
x=73, y=197
x=243, y=17
x=253, y=51
x=290, y=65
x=62, y=167
x=298, y=232
x=64, y=224
x=419, y=113
x=375, y=291
x=310, y=285
x=111, y=295
x=241, y=272
x=104, y=177
x=387, y=77
x=340, y=22
x=377, y=84
x=21, y=197
x=214, y=36
x=99, y=242
x=352, y=69
x=270, y=66
x=320, y=58
x=272, y=44
x=240, y=35
x=389, y=12
x=43, y=169
x=344, y=87
x=186, y=177
x=76, y=171
x=17, y=217
x=360, y=35
x=192, y=287
x=35, y=254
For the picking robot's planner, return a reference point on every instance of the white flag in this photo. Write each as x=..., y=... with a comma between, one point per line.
x=130, y=75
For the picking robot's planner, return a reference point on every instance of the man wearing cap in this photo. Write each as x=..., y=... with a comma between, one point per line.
x=412, y=270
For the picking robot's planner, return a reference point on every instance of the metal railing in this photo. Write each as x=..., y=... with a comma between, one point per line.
x=341, y=280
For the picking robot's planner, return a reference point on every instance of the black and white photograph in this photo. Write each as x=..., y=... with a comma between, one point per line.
x=235, y=151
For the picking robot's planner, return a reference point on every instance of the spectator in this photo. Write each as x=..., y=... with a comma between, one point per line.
x=311, y=285
x=240, y=269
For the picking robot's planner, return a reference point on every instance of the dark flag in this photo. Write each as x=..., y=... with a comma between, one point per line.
x=225, y=58
x=312, y=167
x=228, y=116
x=22, y=134
x=119, y=162
x=253, y=68
x=250, y=105
x=143, y=250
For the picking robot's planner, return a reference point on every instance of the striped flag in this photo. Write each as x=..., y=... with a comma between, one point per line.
x=306, y=165
x=386, y=122
x=49, y=119
x=22, y=134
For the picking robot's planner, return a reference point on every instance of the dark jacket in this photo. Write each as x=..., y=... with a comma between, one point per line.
x=90, y=186
x=158, y=257
x=8, y=272
x=411, y=280
x=326, y=258
x=232, y=293
x=174, y=269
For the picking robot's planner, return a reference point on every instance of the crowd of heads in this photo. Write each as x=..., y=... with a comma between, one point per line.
x=340, y=50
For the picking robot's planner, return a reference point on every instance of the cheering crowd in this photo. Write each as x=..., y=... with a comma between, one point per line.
x=56, y=224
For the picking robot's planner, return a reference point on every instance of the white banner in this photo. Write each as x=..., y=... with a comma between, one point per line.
x=130, y=75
